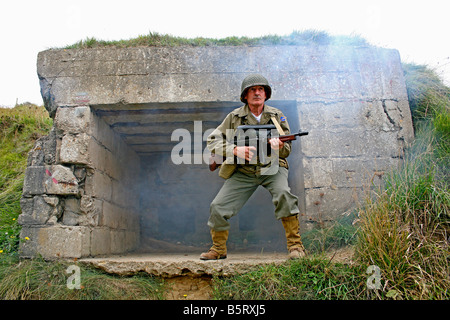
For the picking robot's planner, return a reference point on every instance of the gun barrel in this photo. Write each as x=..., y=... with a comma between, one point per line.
x=290, y=137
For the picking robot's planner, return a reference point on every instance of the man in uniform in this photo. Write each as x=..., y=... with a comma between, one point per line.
x=243, y=179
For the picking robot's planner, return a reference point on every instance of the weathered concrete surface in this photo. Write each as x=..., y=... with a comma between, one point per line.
x=177, y=265
x=55, y=241
x=174, y=265
x=56, y=179
x=191, y=74
x=190, y=278
x=104, y=177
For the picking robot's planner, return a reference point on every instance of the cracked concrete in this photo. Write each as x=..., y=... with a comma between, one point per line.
x=174, y=265
x=189, y=278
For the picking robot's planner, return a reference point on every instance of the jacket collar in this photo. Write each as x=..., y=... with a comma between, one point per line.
x=245, y=110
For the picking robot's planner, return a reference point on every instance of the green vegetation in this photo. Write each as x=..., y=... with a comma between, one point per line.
x=405, y=229
x=300, y=38
x=20, y=127
x=40, y=280
x=313, y=278
x=331, y=236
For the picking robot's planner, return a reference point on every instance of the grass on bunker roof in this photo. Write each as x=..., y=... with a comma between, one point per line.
x=153, y=39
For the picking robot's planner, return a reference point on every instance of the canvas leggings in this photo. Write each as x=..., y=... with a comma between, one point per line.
x=239, y=187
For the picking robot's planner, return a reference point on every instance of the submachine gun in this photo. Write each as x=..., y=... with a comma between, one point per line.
x=259, y=134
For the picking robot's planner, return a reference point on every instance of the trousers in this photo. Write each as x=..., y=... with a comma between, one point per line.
x=240, y=186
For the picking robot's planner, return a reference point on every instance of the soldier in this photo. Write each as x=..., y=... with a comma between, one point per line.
x=243, y=179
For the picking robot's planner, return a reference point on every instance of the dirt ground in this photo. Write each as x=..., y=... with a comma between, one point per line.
x=342, y=255
x=189, y=288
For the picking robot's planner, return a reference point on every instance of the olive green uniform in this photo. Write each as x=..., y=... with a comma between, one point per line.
x=243, y=179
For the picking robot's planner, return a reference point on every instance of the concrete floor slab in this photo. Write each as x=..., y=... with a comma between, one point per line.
x=174, y=265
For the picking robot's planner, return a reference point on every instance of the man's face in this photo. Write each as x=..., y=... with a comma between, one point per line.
x=256, y=95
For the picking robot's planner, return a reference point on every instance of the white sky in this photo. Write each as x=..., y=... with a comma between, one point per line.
x=418, y=29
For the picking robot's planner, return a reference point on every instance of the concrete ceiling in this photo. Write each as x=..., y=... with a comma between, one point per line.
x=147, y=128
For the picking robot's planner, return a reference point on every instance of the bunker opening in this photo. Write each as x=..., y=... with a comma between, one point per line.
x=161, y=195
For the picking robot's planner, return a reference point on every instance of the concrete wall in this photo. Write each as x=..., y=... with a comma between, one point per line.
x=79, y=196
x=115, y=107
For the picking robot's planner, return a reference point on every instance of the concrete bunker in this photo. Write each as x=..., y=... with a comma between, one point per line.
x=103, y=181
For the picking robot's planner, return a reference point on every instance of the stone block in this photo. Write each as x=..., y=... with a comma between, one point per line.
x=125, y=194
x=39, y=210
x=117, y=217
x=91, y=209
x=74, y=149
x=71, y=215
x=132, y=238
x=73, y=120
x=317, y=172
x=98, y=185
x=100, y=241
x=44, y=151
x=98, y=155
x=118, y=241
x=56, y=179
x=102, y=133
x=124, y=240
x=55, y=242
x=112, y=216
x=325, y=204
x=361, y=173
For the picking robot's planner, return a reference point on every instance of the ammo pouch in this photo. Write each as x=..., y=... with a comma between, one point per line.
x=226, y=170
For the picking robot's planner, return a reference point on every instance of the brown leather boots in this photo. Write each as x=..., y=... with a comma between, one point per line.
x=219, y=247
x=293, y=239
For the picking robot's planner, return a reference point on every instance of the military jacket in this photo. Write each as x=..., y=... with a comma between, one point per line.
x=218, y=141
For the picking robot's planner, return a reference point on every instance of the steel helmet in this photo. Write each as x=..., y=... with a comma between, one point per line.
x=255, y=80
